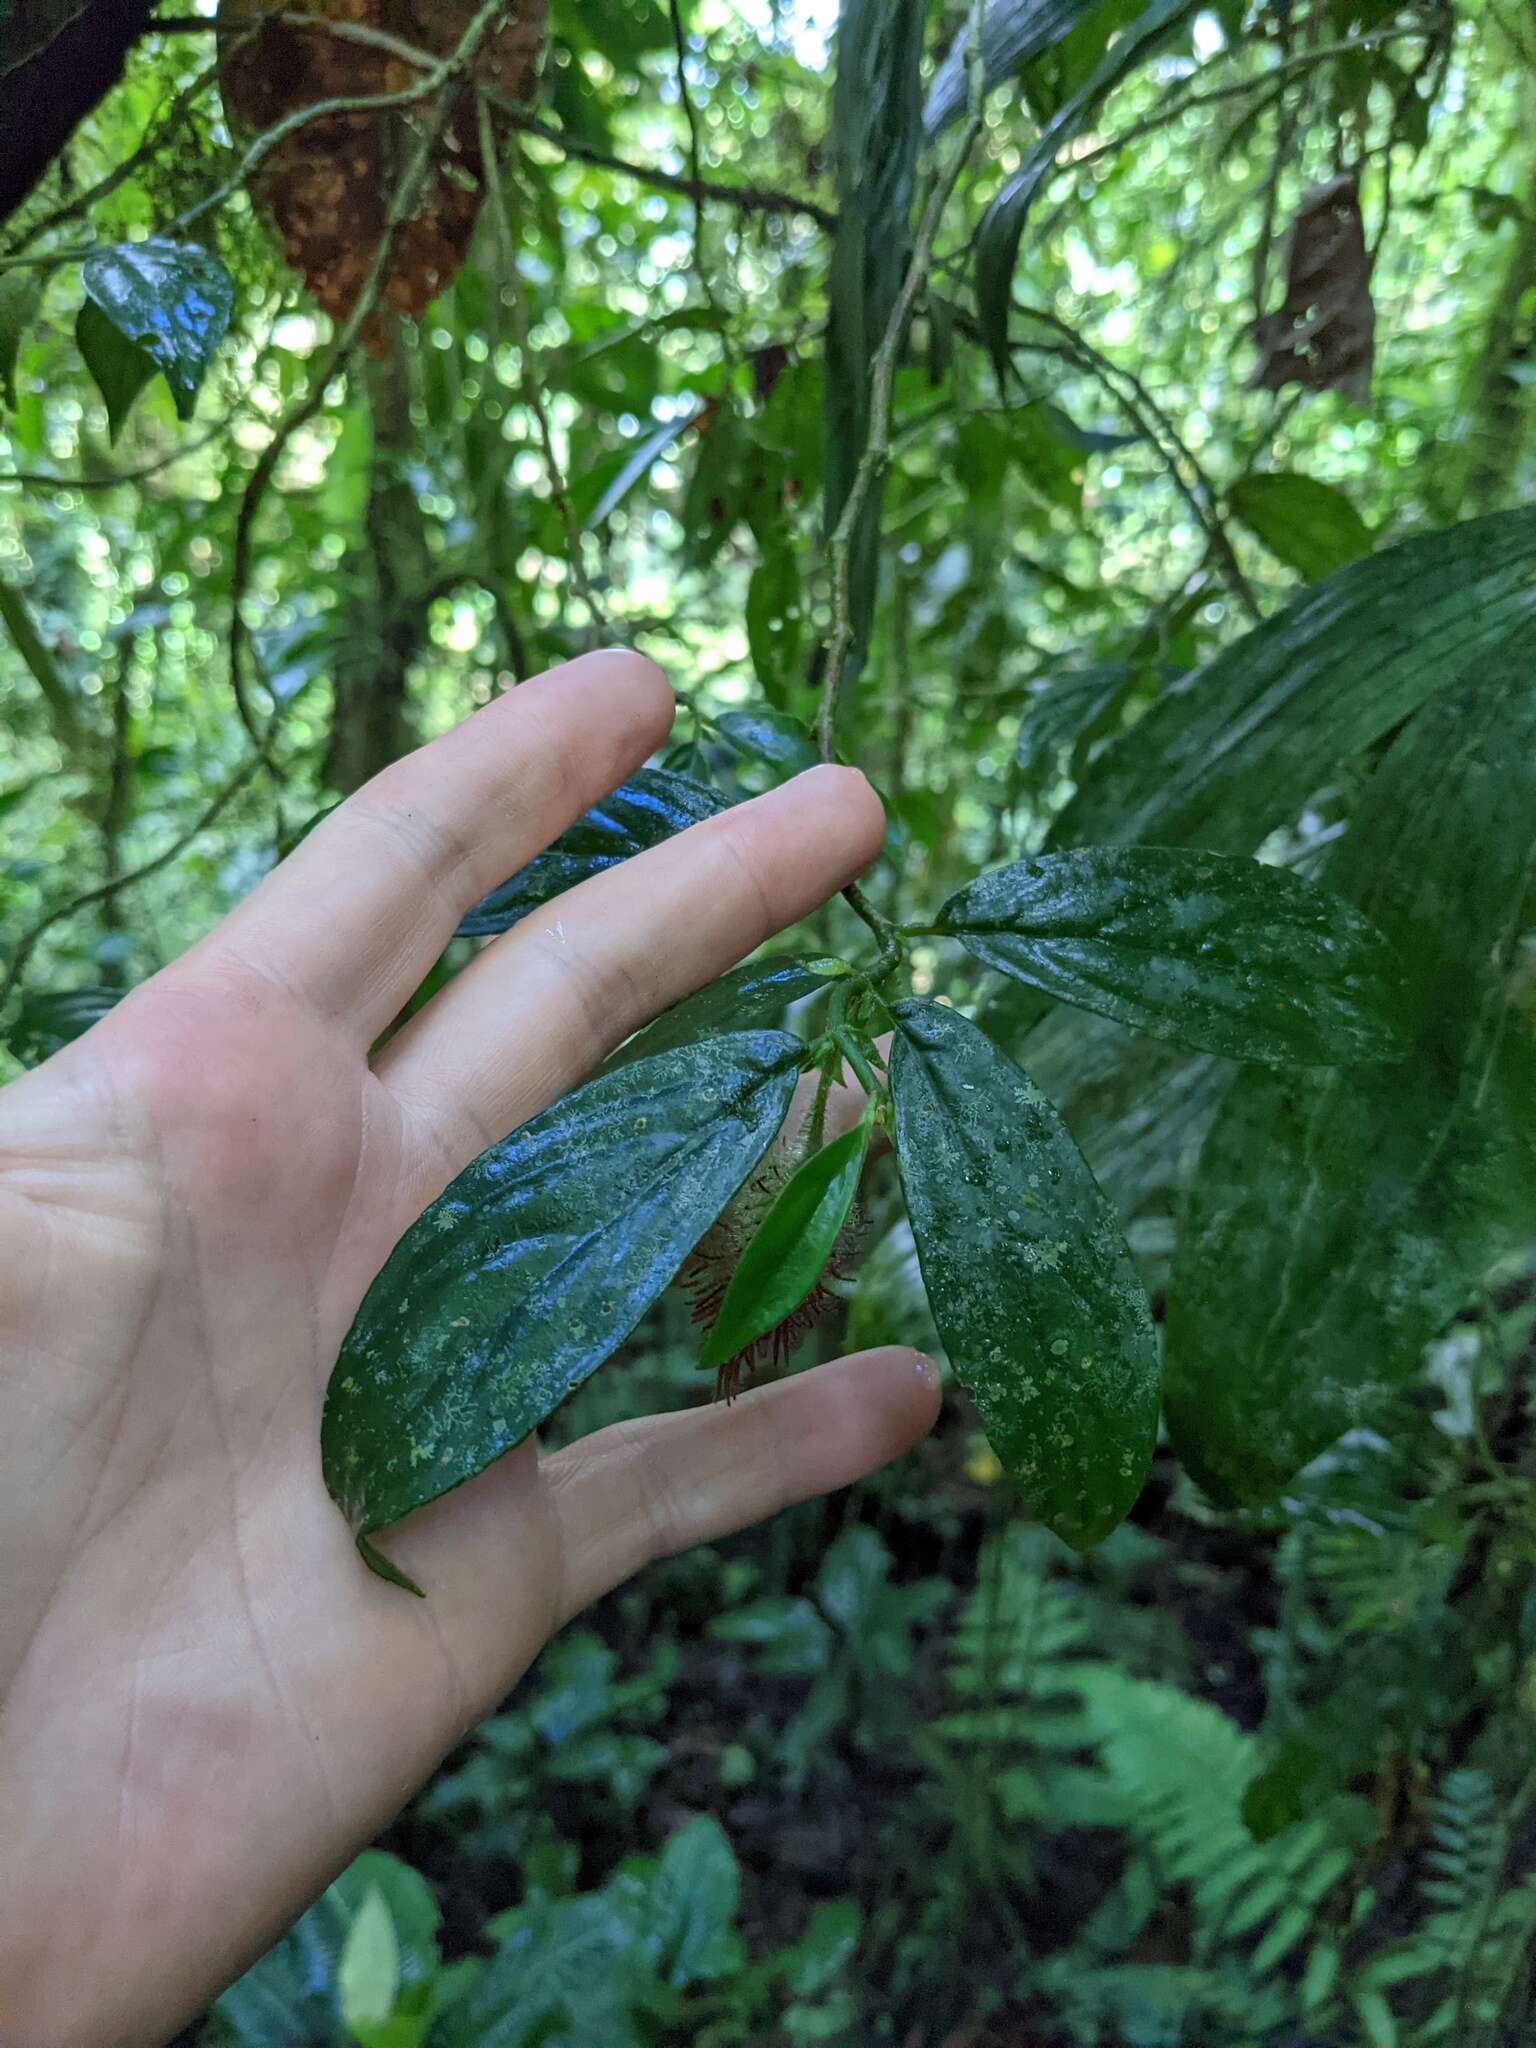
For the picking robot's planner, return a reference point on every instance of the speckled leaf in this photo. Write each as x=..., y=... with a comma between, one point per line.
x=535, y=1265
x=1392, y=1188
x=769, y=736
x=755, y=994
x=1031, y=1283
x=1216, y=953
x=649, y=808
x=171, y=299
x=790, y=1247
x=1002, y=225
x=1238, y=748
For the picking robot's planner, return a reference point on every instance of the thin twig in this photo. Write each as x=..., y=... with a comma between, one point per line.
x=153, y=142
x=1136, y=400
x=696, y=165
x=532, y=396
x=744, y=198
x=28, y=942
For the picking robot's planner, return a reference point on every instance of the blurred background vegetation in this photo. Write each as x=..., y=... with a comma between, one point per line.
x=896, y=1769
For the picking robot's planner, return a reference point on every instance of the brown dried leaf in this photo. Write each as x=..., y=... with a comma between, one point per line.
x=327, y=187
x=1324, y=333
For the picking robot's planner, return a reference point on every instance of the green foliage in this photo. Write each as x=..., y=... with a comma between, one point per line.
x=786, y=1254
x=1033, y=1290
x=1243, y=1779
x=1218, y=954
x=535, y=1263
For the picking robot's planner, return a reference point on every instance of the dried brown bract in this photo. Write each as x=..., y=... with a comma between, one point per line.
x=1324, y=334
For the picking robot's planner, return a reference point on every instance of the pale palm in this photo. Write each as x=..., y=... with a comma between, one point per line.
x=206, y=1702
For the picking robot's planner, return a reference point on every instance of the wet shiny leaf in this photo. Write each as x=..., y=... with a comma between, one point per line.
x=1013, y=34
x=1031, y=1283
x=170, y=299
x=535, y=1265
x=653, y=805
x=1217, y=953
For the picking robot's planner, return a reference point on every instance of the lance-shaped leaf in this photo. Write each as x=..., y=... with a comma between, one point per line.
x=1031, y=1283
x=753, y=995
x=1239, y=747
x=1220, y=954
x=170, y=299
x=1002, y=225
x=1392, y=1188
x=535, y=1265
x=1013, y=34
x=649, y=808
x=789, y=1249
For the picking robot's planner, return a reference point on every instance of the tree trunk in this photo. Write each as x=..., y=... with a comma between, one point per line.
x=56, y=63
x=370, y=725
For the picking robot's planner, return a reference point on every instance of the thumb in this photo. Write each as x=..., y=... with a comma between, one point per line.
x=646, y=1489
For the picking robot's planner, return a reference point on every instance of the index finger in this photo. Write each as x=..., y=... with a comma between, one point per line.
x=354, y=917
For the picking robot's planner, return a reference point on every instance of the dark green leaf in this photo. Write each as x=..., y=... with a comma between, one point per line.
x=1239, y=748
x=536, y=1263
x=715, y=497
x=876, y=130
x=1396, y=1186
x=623, y=30
x=649, y=808
x=1310, y=526
x=171, y=299
x=1032, y=1287
x=1291, y=1787
x=1217, y=953
x=21, y=293
x=774, y=622
x=1002, y=226
x=1013, y=33
x=51, y=1018
x=771, y=736
x=753, y=995
x=790, y=1247
x=119, y=366
x=1064, y=713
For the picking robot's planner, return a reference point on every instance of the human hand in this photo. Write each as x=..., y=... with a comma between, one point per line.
x=207, y=1702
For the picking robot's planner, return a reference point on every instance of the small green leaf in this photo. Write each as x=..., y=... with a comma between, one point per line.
x=774, y=622
x=172, y=300
x=368, y=1974
x=1217, y=953
x=1002, y=226
x=21, y=293
x=753, y=995
x=651, y=807
x=1310, y=526
x=790, y=1247
x=771, y=736
x=119, y=366
x=535, y=1265
x=1032, y=1285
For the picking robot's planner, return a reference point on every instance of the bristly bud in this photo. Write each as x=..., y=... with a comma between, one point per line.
x=707, y=1271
